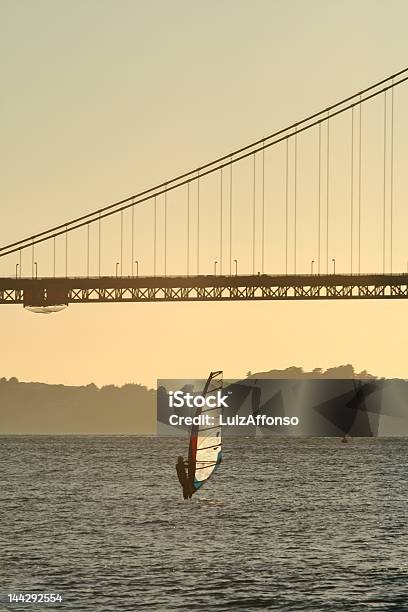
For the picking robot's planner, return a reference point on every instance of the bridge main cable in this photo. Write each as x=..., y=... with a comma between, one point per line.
x=210, y=167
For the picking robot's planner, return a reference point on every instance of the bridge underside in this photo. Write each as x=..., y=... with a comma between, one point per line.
x=54, y=291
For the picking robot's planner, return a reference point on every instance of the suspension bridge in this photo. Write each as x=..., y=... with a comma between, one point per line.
x=316, y=210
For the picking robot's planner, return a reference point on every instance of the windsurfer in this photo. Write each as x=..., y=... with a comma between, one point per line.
x=182, y=476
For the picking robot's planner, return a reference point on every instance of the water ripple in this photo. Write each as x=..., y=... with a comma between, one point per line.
x=286, y=524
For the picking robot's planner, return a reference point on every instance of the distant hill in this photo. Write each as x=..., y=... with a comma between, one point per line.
x=344, y=371
x=39, y=408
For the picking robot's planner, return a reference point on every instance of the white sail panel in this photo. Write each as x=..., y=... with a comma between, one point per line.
x=205, y=444
x=204, y=453
x=208, y=454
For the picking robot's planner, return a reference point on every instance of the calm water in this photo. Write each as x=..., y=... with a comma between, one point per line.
x=286, y=524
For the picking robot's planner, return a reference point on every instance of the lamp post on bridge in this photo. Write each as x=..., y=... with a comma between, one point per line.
x=334, y=265
x=215, y=268
x=236, y=267
x=137, y=267
x=17, y=267
x=311, y=266
x=117, y=266
x=36, y=269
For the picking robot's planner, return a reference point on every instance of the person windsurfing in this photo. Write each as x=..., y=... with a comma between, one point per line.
x=182, y=476
x=204, y=452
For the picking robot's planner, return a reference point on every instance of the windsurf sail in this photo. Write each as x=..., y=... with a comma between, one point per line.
x=204, y=454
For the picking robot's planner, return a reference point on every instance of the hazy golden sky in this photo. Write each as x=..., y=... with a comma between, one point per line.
x=101, y=99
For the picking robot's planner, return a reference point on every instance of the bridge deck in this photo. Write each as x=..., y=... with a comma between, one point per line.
x=90, y=290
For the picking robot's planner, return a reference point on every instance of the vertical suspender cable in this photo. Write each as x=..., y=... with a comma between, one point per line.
x=87, y=251
x=327, y=191
x=133, y=239
x=165, y=232
x=287, y=205
x=20, y=264
x=263, y=211
x=351, y=190
x=188, y=229
x=319, y=199
x=221, y=221
x=99, y=244
x=384, y=174
x=295, y=206
x=392, y=176
x=359, y=190
x=198, y=223
x=66, y=251
x=154, y=236
x=253, y=215
x=54, y=256
x=230, y=221
x=121, y=242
